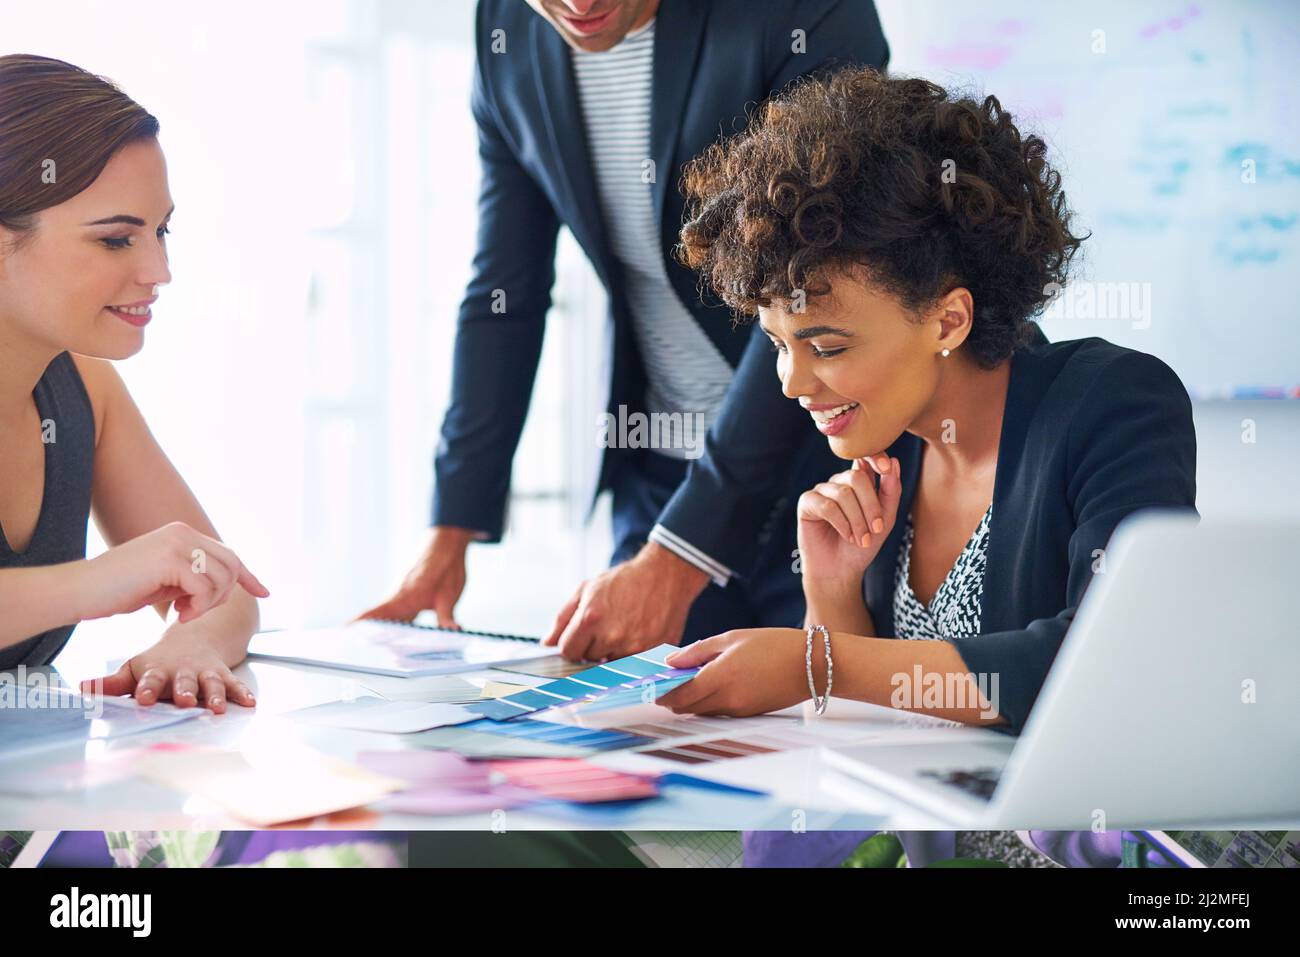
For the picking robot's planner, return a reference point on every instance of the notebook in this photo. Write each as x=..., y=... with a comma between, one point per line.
x=400, y=649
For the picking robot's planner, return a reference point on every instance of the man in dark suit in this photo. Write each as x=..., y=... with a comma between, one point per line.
x=586, y=112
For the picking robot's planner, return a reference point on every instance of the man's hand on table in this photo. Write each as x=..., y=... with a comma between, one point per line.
x=436, y=582
x=631, y=607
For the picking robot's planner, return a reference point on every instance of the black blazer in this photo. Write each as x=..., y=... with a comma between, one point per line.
x=713, y=61
x=1092, y=432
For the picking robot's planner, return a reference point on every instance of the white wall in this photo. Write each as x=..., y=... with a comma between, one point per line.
x=1148, y=109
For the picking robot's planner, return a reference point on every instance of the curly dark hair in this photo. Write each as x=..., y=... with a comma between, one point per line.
x=895, y=179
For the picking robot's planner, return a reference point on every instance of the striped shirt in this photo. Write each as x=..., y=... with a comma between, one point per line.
x=687, y=375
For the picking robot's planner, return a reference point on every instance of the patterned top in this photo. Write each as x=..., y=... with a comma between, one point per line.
x=954, y=611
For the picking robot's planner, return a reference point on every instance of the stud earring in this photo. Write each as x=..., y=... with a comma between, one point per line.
x=945, y=353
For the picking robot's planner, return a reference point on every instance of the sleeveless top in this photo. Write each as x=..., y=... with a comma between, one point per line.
x=954, y=611
x=68, y=425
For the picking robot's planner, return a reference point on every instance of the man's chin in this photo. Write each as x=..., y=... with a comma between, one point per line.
x=605, y=39
x=590, y=44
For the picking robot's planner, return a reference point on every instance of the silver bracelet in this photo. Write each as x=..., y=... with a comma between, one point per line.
x=819, y=702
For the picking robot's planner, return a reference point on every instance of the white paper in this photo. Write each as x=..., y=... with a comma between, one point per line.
x=389, y=648
x=433, y=689
x=378, y=714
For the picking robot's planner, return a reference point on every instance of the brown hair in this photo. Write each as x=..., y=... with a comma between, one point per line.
x=917, y=190
x=59, y=127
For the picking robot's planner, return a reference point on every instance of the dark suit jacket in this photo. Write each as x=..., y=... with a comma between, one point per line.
x=1092, y=432
x=713, y=61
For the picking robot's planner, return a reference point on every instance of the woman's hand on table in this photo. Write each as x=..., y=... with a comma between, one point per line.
x=188, y=670
x=746, y=672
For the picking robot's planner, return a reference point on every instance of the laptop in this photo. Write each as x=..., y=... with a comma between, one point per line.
x=1172, y=700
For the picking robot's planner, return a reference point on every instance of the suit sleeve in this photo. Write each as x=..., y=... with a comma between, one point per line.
x=498, y=335
x=750, y=453
x=1131, y=447
x=820, y=37
x=754, y=445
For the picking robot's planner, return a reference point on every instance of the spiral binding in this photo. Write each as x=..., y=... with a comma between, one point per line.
x=453, y=631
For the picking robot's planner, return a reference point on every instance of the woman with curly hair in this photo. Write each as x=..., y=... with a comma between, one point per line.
x=895, y=241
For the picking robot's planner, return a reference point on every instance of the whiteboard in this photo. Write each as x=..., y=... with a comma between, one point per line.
x=1176, y=130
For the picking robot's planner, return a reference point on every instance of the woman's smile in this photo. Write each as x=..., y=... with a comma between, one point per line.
x=832, y=419
x=137, y=313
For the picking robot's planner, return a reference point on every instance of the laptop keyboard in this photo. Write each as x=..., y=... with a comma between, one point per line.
x=978, y=782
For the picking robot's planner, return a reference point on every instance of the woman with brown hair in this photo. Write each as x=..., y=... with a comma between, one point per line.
x=84, y=212
x=895, y=241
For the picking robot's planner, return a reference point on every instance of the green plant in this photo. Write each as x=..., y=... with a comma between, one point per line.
x=879, y=850
x=885, y=850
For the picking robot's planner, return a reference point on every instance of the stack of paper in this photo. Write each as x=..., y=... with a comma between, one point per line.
x=438, y=782
x=431, y=689
x=390, y=648
x=576, y=780
x=378, y=714
x=444, y=783
x=36, y=717
x=273, y=787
